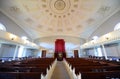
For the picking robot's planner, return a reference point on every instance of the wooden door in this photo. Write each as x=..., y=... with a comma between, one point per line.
x=43, y=53
x=76, y=54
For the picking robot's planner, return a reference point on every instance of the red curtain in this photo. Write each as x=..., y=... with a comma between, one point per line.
x=59, y=46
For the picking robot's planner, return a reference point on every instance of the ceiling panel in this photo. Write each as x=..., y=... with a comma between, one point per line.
x=41, y=18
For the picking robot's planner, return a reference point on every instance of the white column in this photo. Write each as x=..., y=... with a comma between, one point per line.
x=104, y=51
x=0, y=45
x=20, y=51
x=118, y=49
x=0, y=49
x=99, y=51
x=24, y=52
x=95, y=51
x=80, y=52
x=15, y=52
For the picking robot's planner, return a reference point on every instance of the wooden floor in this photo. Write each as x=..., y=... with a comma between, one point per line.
x=60, y=71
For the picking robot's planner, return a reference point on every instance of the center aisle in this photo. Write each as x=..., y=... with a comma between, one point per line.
x=60, y=71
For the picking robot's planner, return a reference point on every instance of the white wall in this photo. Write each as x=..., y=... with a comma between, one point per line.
x=107, y=26
x=50, y=54
x=113, y=50
x=29, y=52
x=7, y=50
x=11, y=26
x=71, y=43
x=90, y=52
x=70, y=54
x=37, y=53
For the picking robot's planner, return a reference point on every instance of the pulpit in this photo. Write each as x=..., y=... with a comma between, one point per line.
x=60, y=49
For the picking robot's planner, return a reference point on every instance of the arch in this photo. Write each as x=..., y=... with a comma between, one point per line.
x=2, y=27
x=117, y=26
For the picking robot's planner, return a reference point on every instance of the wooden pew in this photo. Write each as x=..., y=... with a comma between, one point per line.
x=101, y=75
x=29, y=75
x=20, y=75
x=9, y=75
x=25, y=69
x=94, y=69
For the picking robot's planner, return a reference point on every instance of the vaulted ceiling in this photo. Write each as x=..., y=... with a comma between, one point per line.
x=42, y=18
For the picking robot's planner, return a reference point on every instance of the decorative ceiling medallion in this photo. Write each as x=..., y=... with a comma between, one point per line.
x=39, y=27
x=68, y=13
x=50, y=13
x=90, y=20
x=60, y=6
x=72, y=10
x=15, y=9
x=59, y=30
x=55, y=16
x=64, y=16
x=47, y=10
x=59, y=16
x=50, y=29
x=69, y=29
x=79, y=26
x=103, y=9
x=44, y=6
x=29, y=20
x=75, y=0
x=43, y=0
x=75, y=5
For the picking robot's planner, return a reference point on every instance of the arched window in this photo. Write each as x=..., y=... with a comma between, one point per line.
x=2, y=27
x=94, y=37
x=24, y=37
x=117, y=26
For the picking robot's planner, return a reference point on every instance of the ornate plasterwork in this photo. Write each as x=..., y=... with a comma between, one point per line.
x=59, y=6
x=42, y=18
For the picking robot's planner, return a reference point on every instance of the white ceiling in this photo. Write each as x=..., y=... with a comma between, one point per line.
x=70, y=42
x=41, y=18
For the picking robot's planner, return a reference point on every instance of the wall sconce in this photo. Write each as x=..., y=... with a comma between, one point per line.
x=12, y=36
x=107, y=36
x=93, y=41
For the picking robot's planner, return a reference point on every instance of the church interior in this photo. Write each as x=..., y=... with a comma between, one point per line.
x=59, y=39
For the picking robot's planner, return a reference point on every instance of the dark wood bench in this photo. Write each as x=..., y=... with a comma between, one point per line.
x=101, y=75
x=20, y=75
x=25, y=69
